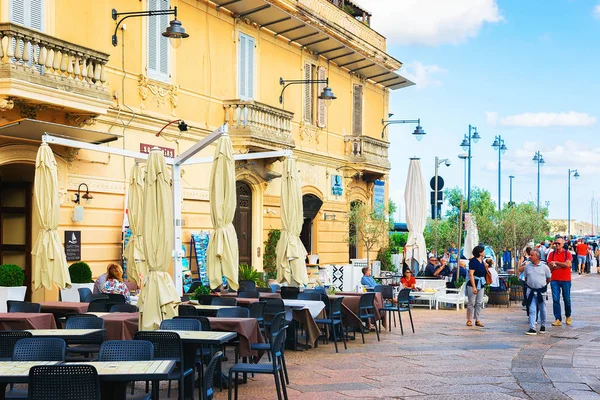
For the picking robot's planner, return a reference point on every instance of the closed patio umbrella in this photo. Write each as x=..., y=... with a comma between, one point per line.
x=416, y=212
x=222, y=255
x=472, y=235
x=291, y=253
x=134, y=252
x=158, y=299
x=50, y=262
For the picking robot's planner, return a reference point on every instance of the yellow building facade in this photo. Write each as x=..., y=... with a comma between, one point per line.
x=60, y=73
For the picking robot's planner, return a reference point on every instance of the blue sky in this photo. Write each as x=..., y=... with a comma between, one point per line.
x=523, y=69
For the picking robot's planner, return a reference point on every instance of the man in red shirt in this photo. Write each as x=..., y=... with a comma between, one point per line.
x=559, y=260
x=582, y=250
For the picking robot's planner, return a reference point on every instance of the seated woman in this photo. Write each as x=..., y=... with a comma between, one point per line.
x=114, y=282
x=409, y=281
x=367, y=280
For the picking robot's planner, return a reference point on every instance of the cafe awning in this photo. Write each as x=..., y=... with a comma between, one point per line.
x=269, y=16
x=32, y=129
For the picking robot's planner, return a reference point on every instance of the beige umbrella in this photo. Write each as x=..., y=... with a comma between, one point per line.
x=222, y=255
x=290, y=250
x=134, y=252
x=50, y=262
x=159, y=298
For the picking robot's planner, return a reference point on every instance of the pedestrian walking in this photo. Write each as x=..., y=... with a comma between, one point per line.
x=559, y=262
x=582, y=250
x=537, y=277
x=475, y=286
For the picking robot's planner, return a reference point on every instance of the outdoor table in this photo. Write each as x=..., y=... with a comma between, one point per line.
x=62, y=308
x=65, y=334
x=209, y=311
x=23, y=321
x=305, y=312
x=191, y=340
x=247, y=329
x=348, y=316
x=352, y=299
x=120, y=326
x=17, y=372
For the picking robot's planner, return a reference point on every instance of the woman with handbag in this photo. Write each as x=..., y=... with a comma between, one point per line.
x=475, y=283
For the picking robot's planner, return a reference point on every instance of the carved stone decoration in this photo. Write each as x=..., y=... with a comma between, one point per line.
x=28, y=110
x=6, y=104
x=309, y=133
x=160, y=93
x=81, y=121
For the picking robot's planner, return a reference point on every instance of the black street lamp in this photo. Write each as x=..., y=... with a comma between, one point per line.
x=575, y=175
x=174, y=31
x=511, y=177
x=326, y=95
x=539, y=160
x=466, y=146
x=418, y=132
x=501, y=148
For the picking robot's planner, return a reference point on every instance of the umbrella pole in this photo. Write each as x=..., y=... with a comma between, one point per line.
x=459, y=238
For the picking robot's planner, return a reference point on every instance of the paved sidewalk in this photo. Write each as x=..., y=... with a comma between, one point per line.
x=444, y=359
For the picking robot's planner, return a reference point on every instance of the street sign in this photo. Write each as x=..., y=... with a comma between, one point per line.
x=440, y=183
x=440, y=197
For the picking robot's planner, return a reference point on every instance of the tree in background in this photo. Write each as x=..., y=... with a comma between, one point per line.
x=371, y=227
x=270, y=254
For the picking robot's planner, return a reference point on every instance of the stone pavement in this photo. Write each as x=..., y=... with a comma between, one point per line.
x=444, y=359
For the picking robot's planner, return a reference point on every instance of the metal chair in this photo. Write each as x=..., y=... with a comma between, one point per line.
x=113, y=299
x=275, y=287
x=204, y=322
x=39, y=349
x=277, y=324
x=206, y=391
x=289, y=292
x=257, y=310
x=274, y=368
x=387, y=292
x=97, y=302
x=334, y=318
x=246, y=285
x=272, y=308
x=180, y=324
x=8, y=339
x=168, y=346
x=126, y=308
x=23, y=307
x=311, y=296
x=248, y=295
x=237, y=312
x=403, y=305
x=366, y=311
x=185, y=310
x=53, y=382
x=84, y=293
x=224, y=301
x=90, y=344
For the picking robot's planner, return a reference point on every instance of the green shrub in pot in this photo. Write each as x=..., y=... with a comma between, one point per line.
x=11, y=275
x=80, y=272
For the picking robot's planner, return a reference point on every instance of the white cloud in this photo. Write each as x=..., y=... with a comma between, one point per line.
x=548, y=119
x=431, y=22
x=422, y=75
x=491, y=117
x=596, y=11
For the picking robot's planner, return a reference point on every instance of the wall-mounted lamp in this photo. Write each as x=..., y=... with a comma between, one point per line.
x=183, y=127
x=86, y=196
x=357, y=175
x=418, y=132
x=174, y=31
x=326, y=95
x=270, y=211
x=328, y=217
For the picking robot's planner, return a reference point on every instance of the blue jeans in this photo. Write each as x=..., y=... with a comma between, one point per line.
x=533, y=308
x=557, y=286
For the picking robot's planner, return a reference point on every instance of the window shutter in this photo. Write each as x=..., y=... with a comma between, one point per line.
x=357, y=110
x=158, y=45
x=250, y=68
x=246, y=67
x=37, y=15
x=308, y=94
x=321, y=105
x=29, y=13
x=17, y=11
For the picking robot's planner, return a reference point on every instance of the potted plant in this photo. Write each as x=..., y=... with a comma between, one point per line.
x=247, y=273
x=202, y=295
x=12, y=279
x=270, y=256
x=81, y=277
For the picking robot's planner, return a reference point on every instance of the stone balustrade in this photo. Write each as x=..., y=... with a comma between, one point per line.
x=367, y=150
x=260, y=124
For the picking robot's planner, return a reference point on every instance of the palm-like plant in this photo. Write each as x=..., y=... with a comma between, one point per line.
x=247, y=273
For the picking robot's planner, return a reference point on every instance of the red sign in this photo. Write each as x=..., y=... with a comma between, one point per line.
x=168, y=152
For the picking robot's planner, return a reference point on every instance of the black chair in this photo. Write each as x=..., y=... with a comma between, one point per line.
x=168, y=346
x=366, y=312
x=84, y=293
x=403, y=305
x=312, y=296
x=257, y=310
x=53, y=382
x=205, y=299
x=23, y=307
x=264, y=290
x=274, y=368
x=204, y=321
x=96, y=296
x=195, y=285
x=234, y=312
x=180, y=324
x=387, y=293
x=224, y=301
x=8, y=339
x=272, y=308
x=71, y=315
x=97, y=302
x=320, y=289
x=113, y=299
x=334, y=318
x=246, y=285
x=248, y=295
x=277, y=324
x=186, y=310
x=289, y=292
x=88, y=345
x=207, y=391
x=185, y=297
x=39, y=349
x=126, y=308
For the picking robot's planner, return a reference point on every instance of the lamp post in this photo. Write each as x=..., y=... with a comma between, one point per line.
x=174, y=31
x=501, y=148
x=464, y=156
x=511, y=177
x=418, y=132
x=438, y=162
x=575, y=175
x=466, y=145
x=539, y=160
x=326, y=94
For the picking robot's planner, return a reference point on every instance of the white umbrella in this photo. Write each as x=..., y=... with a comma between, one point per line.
x=472, y=236
x=415, y=198
x=134, y=252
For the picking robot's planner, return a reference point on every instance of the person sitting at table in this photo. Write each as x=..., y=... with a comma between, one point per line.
x=367, y=280
x=446, y=271
x=433, y=269
x=99, y=284
x=409, y=281
x=462, y=272
x=114, y=282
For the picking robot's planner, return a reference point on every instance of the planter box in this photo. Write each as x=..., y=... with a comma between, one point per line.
x=11, y=293
x=72, y=294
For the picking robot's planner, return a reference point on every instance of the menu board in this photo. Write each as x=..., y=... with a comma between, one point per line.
x=73, y=245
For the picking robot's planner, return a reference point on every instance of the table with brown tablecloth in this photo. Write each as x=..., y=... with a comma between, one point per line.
x=351, y=300
x=349, y=317
x=62, y=308
x=120, y=326
x=23, y=321
x=248, y=332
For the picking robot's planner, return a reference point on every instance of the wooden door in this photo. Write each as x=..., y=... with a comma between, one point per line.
x=15, y=227
x=243, y=221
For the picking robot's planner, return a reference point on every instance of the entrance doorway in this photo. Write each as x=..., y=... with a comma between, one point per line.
x=352, y=248
x=242, y=221
x=311, y=205
x=16, y=182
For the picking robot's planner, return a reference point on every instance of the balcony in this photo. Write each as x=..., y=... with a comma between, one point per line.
x=258, y=126
x=39, y=69
x=368, y=155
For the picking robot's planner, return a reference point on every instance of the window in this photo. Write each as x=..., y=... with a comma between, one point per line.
x=158, y=45
x=28, y=13
x=314, y=109
x=246, y=67
x=357, y=110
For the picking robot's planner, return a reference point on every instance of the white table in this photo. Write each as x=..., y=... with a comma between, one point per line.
x=314, y=307
x=430, y=297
